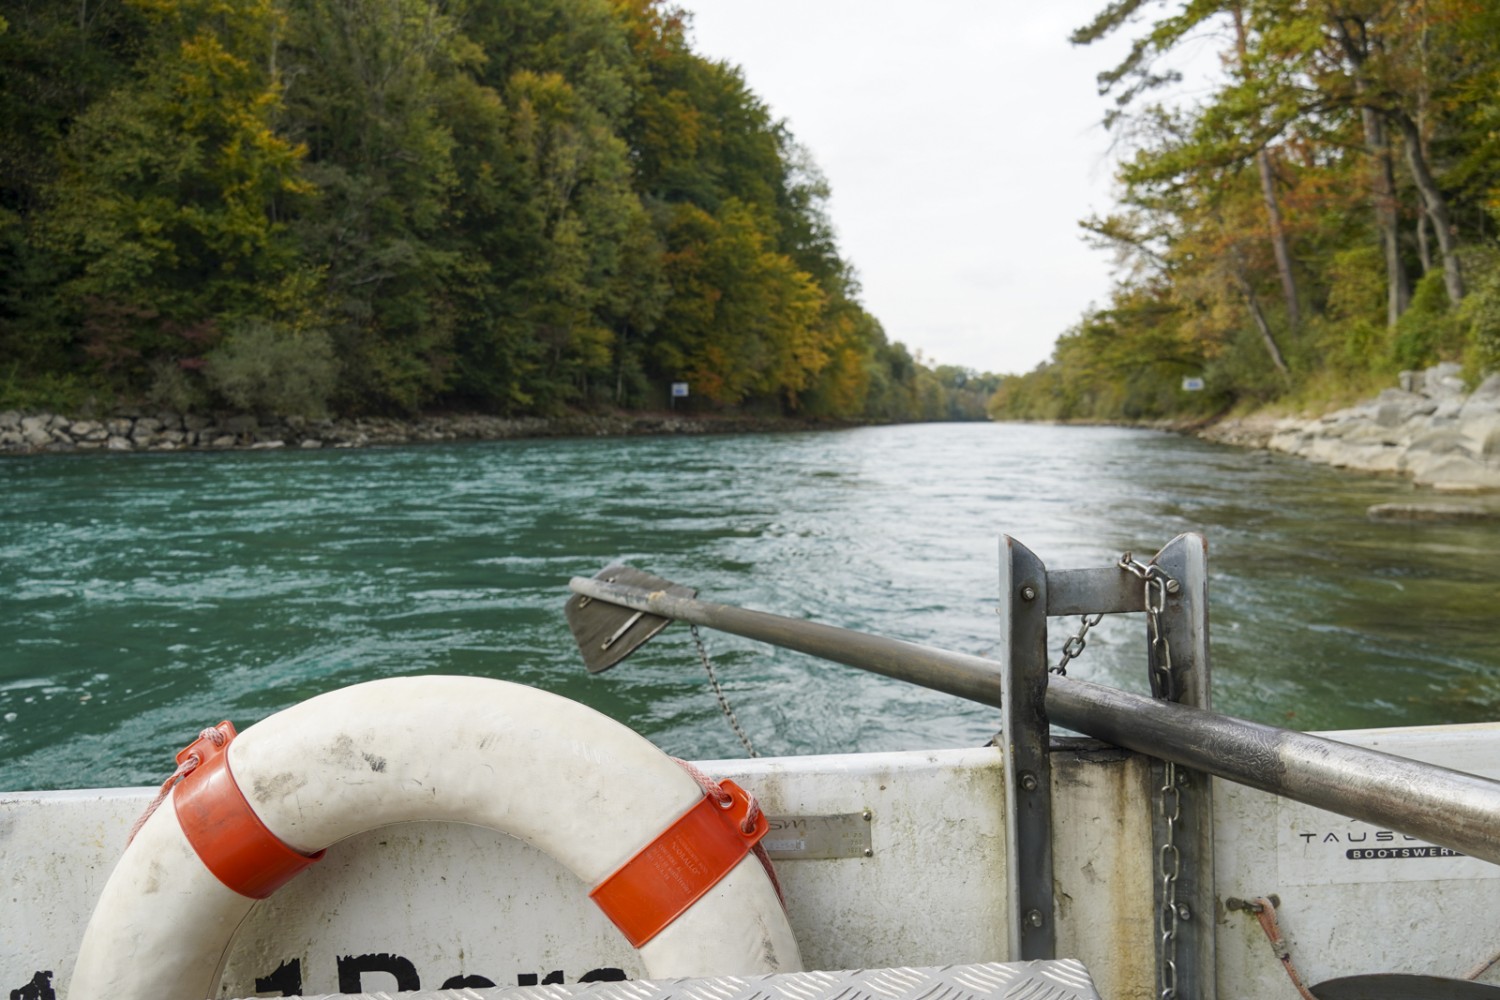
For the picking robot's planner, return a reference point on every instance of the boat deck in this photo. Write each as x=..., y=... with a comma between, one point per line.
x=1060, y=979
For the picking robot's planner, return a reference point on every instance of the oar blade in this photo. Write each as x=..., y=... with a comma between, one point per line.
x=607, y=633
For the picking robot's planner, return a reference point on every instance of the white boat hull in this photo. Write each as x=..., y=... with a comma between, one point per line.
x=425, y=905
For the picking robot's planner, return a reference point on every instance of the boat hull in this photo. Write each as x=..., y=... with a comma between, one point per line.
x=921, y=882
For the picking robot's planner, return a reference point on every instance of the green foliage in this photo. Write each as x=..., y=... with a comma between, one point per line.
x=1268, y=233
x=1428, y=331
x=50, y=392
x=268, y=369
x=1479, y=318
x=518, y=206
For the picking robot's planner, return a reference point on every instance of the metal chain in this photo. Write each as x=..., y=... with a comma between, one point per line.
x=1076, y=643
x=713, y=679
x=1163, y=687
x=1171, y=868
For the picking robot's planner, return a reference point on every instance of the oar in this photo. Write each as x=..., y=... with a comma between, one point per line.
x=1442, y=806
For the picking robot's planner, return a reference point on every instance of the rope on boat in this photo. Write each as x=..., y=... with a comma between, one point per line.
x=185, y=766
x=1265, y=912
x=713, y=790
x=1483, y=967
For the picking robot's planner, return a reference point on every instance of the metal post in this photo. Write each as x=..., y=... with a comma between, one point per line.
x=1024, y=732
x=1184, y=625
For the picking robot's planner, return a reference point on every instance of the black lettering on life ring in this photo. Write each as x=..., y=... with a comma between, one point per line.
x=352, y=969
x=554, y=978
x=287, y=978
x=461, y=982
x=604, y=975
x=40, y=988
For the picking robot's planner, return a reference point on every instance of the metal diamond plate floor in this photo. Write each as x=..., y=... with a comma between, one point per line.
x=1059, y=979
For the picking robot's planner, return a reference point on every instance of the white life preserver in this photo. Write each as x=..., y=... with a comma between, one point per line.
x=584, y=789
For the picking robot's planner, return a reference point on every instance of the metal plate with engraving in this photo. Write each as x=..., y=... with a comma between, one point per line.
x=812, y=838
x=1054, y=979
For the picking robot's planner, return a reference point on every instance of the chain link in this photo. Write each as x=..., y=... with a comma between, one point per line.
x=1157, y=586
x=1076, y=643
x=713, y=680
x=1164, y=687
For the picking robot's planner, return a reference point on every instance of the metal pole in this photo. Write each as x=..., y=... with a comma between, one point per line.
x=971, y=677
x=1442, y=806
x=1028, y=765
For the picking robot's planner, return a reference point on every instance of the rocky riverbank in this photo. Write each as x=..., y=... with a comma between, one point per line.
x=26, y=433
x=1429, y=429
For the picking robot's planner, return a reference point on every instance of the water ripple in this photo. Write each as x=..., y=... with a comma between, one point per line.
x=150, y=595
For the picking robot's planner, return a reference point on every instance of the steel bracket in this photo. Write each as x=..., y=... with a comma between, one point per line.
x=1029, y=595
x=1024, y=737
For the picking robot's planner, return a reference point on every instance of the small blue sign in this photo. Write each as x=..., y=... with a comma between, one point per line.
x=679, y=390
x=1192, y=385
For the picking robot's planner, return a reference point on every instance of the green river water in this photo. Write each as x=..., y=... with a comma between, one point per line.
x=143, y=597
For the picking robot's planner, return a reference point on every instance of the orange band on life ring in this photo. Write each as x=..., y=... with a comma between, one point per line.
x=686, y=860
x=224, y=830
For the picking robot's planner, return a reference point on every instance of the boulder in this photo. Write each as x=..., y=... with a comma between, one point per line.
x=241, y=424
x=88, y=430
x=1440, y=441
x=1443, y=380
x=1392, y=408
x=1447, y=411
x=1453, y=472
x=1484, y=399
x=1488, y=447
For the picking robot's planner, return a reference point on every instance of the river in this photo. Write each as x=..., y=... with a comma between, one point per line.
x=144, y=596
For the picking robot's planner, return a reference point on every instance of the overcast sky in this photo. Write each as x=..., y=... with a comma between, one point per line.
x=962, y=142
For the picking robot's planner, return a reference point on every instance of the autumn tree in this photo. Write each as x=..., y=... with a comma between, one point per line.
x=171, y=187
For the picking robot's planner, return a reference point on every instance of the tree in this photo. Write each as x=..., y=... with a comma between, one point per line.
x=172, y=186
x=364, y=98
x=742, y=318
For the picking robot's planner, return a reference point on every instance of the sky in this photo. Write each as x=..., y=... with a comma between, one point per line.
x=962, y=142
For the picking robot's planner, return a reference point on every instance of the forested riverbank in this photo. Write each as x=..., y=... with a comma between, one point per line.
x=312, y=208
x=555, y=210
x=1323, y=217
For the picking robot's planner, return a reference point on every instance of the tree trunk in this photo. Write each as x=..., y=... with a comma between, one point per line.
x=1424, y=247
x=1383, y=190
x=1279, y=245
x=1279, y=242
x=1437, y=206
x=1259, y=316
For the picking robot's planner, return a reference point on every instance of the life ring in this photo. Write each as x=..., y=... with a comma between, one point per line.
x=575, y=784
